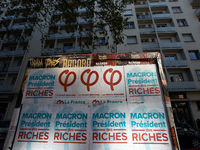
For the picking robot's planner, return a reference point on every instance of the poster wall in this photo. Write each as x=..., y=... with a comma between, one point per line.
x=93, y=108
x=93, y=126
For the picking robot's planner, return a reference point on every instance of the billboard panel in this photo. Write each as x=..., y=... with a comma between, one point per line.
x=95, y=101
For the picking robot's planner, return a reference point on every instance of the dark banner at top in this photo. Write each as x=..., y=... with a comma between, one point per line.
x=88, y=60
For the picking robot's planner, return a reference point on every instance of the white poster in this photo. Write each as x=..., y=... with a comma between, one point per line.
x=45, y=85
x=142, y=84
x=92, y=126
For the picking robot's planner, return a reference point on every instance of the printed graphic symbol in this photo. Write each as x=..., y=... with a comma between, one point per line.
x=113, y=72
x=60, y=102
x=66, y=84
x=87, y=83
x=95, y=102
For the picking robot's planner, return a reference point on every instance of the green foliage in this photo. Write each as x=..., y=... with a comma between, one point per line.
x=88, y=18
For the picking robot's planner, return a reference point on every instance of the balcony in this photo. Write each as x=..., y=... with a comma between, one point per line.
x=141, y=6
x=11, y=53
x=181, y=85
x=66, y=35
x=14, y=69
x=143, y=16
x=6, y=88
x=170, y=45
x=166, y=29
x=146, y=30
x=175, y=63
x=150, y=46
x=49, y=51
x=158, y=4
x=161, y=16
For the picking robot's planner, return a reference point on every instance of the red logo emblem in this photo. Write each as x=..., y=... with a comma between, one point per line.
x=87, y=83
x=112, y=83
x=65, y=83
x=95, y=102
x=60, y=102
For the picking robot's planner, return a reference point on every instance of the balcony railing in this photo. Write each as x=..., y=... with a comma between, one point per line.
x=141, y=6
x=66, y=35
x=146, y=30
x=14, y=69
x=150, y=45
x=170, y=44
x=6, y=88
x=62, y=51
x=175, y=63
x=166, y=29
x=181, y=85
x=11, y=53
x=158, y=4
x=161, y=15
x=143, y=16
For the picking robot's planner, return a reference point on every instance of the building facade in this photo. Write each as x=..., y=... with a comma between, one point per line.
x=170, y=27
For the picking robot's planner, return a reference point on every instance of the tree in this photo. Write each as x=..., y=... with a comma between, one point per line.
x=85, y=19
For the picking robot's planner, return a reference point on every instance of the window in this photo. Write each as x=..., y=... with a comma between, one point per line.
x=101, y=41
x=131, y=40
x=13, y=80
x=182, y=23
x=176, y=9
x=127, y=2
x=161, y=25
x=198, y=105
x=144, y=40
x=67, y=46
x=128, y=12
x=100, y=28
x=19, y=63
x=5, y=67
x=170, y=57
x=1, y=81
x=198, y=74
x=188, y=38
x=130, y=25
x=178, y=77
x=178, y=95
x=194, y=54
x=11, y=48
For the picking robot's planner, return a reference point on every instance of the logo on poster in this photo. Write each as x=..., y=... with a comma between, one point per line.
x=88, y=83
x=112, y=72
x=65, y=83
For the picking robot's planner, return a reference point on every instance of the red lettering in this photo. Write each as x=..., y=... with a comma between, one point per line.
x=124, y=136
x=157, y=90
x=63, y=136
x=135, y=136
x=20, y=135
x=95, y=136
x=164, y=135
x=78, y=136
x=144, y=138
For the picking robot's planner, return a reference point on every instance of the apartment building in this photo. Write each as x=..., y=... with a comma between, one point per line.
x=170, y=27
x=16, y=39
